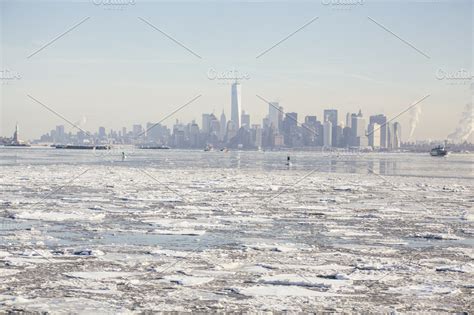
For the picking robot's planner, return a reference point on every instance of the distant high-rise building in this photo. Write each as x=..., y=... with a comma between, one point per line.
x=290, y=129
x=374, y=135
x=245, y=120
x=309, y=130
x=193, y=135
x=60, y=135
x=278, y=140
x=327, y=133
x=154, y=132
x=223, y=126
x=358, y=125
x=393, y=136
x=331, y=115
x=348, y=120
x=280, y=118
x=257, y=134
x=137, y=130
x=231, y=130
x=310, y=119
x=102, y=134
x=397, y=130
x=382, y=121
x=347, y=136
x=339, y=135
x=214, y=129
x=206, y=122
x=274, y=114
x=236, y=104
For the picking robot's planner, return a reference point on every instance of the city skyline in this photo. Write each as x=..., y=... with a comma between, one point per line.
x=277, y=130
x=330, y=118
x=94, y=77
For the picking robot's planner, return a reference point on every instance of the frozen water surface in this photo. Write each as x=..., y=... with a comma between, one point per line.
x=173, y=230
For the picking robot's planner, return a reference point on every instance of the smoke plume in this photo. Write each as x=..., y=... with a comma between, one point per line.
x=414, y=117
x=464, y=131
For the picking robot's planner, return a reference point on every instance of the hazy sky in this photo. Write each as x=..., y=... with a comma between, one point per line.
x=114, y=70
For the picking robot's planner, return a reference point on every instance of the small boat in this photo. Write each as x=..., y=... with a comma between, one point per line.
x=439, y=151
x=209, y=147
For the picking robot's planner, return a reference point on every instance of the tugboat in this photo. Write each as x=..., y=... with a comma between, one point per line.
x=439, y=151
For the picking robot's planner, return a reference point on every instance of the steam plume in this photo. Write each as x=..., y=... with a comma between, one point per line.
x=465, y=128
x=414, y=117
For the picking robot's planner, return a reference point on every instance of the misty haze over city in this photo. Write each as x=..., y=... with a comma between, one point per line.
x=236, y=156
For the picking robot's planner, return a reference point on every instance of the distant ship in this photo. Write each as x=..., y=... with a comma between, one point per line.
x=439, y=151
x=154, y=147
x=81, y=147
x=16, y=142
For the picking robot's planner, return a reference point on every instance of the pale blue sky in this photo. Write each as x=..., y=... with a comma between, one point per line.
x=115, y=70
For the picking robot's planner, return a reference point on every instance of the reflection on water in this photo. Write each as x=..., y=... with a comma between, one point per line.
x=406, y=164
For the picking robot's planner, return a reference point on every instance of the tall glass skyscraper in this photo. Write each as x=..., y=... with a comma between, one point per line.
x=331, y=115
x=236, y=105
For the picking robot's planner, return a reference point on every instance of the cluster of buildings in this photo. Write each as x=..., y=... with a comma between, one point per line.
x=277, y=130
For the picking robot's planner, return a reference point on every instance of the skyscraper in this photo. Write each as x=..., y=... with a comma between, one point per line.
x=137, y=130
x=359, y=137
x=102, y=133
x=382, y=121
x=236, y=104
x=223, y=126
x=206, y=123
x=290, y=128
x=245, y=120
x=331, y=115
x=397, y=135
x=327, y=133
x=393, y=135
x=374, y=135
x=60, y=135
x=348, y=120
x=274, y=114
